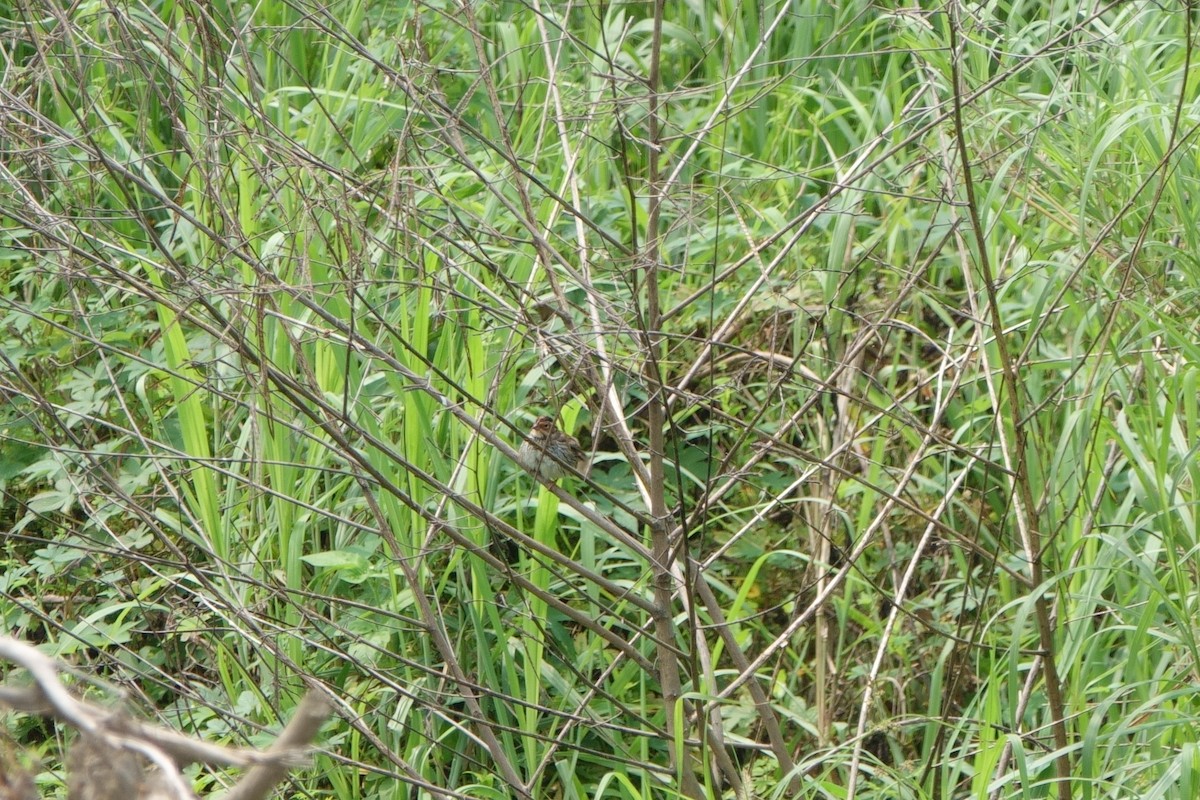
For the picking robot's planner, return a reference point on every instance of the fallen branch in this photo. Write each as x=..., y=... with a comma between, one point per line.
x=111, y=741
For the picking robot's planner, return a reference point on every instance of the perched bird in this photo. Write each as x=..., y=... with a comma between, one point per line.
x=548, y=452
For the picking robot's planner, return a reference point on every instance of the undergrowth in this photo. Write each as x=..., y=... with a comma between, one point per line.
x=876, y=324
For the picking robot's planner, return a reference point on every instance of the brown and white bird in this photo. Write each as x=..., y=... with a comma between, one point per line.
x=549, y=452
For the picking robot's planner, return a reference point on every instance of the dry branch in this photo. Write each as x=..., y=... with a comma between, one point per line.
x=105, y=761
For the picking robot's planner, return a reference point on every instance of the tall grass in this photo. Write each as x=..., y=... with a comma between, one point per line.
x=875, y=323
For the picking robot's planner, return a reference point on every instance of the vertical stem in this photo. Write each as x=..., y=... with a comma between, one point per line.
x=660, y=526
x=1023, y=501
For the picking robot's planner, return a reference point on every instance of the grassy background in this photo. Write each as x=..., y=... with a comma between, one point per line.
x=878, y=324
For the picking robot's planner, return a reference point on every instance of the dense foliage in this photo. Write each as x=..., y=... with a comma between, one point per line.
x=873, y=320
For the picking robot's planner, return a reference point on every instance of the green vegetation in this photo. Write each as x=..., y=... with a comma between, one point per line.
x=878, y=324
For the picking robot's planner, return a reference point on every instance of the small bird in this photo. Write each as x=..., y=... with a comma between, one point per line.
x=548, y=452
